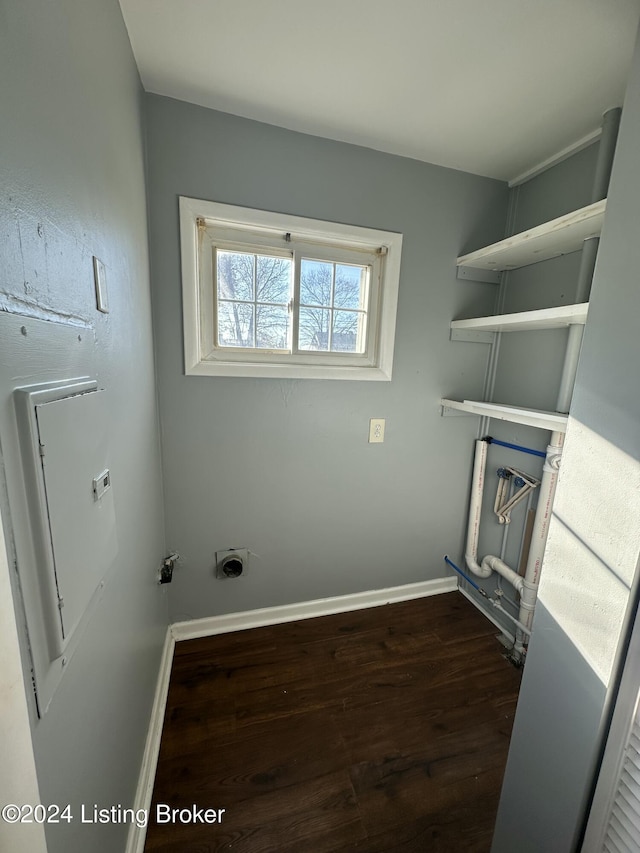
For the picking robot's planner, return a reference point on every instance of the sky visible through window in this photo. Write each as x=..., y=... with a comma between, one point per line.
x=254, y=293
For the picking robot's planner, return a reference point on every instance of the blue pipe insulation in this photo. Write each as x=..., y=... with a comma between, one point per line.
x=519, y=447
x=465, y=576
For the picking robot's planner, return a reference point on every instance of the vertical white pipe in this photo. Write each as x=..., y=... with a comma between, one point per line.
x=571, y=356
x=574, y=339
x=475, y=510
x=539, y=536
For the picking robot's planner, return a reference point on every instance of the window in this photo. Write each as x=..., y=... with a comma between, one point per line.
x=270, y=295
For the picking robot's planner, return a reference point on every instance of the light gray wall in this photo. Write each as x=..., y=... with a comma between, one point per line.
x=593, y=548
x=559, y=190
x=72, y=185
x=283, y=467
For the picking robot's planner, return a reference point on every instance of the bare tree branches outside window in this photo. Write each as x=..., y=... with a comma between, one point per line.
x=332, y=306
x=253, y=300
x=254, y=293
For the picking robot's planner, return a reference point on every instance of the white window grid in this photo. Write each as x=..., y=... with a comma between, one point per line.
x=295, y=304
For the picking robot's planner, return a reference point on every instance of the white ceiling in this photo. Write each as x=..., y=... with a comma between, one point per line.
x=492, y=87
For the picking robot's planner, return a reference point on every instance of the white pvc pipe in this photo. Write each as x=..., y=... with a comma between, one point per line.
x=475, y=510
x=489, y=563
x=539, y=535
x=519, y=625
x=495, y=564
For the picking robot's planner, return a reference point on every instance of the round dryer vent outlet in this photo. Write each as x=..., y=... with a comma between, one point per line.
x=232, y=563
x=232, y=567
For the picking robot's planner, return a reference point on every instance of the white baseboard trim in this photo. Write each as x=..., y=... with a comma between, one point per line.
x=144, y=792
x=486, y=613
x=228, y=622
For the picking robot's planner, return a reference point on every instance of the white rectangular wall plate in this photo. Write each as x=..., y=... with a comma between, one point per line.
x=100, y=279
x=101, y=484
x=376, y=430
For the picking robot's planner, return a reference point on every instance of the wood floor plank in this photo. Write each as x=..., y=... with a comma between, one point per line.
x=252, y=762
x=315, y=815
x=398, y=726
x=461, y=828
x=412, y=796
x=380, y=731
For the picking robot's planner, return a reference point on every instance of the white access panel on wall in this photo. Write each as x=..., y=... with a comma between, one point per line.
x=74, y=453
x=71, y=503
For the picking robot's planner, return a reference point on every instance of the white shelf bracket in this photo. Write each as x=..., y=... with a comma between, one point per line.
x=471, y=336
x=477, y=274
x=450, y=412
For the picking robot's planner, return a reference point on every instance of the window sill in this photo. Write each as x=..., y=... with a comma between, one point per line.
x=287, y=371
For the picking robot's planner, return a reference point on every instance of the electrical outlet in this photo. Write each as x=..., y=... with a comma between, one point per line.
x=376, y=430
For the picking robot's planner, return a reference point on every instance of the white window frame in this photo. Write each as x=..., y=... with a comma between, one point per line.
x=205, y=225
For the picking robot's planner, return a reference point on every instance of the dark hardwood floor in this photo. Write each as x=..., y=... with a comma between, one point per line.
x=379, y=731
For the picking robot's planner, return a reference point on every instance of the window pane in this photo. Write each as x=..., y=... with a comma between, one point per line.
x=235, y=324
x=315, y=282
x=271, y=327
x=313, y=332
x=273, y=279
x=348, y=331
x=350, y=286
x=235, y=275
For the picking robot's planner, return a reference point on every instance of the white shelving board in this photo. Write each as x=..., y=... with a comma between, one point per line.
x=549, y=240
x=543, y=318
x=515, y=414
